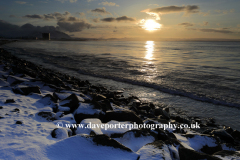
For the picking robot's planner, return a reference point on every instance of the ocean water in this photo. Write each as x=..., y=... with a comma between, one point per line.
x=200, y=78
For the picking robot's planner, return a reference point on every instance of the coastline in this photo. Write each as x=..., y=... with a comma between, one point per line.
x=67, y=93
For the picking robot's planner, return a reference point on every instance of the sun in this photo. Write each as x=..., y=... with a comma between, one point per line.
x=151, y=25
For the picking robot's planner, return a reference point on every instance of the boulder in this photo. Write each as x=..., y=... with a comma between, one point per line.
x=236, y=134
x=60, y=133
x=188, y=154
x=125, y=115
x=72, y=102
x=10, y=101
x=26, y=90
x=223, y=135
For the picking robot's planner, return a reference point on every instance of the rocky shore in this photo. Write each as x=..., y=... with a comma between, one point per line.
x=33, y=100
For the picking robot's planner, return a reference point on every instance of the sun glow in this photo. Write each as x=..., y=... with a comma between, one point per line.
x=150, y=25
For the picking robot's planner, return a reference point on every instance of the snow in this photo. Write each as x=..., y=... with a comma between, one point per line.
x=82, y=147
x=86, y=108
x=197, y=142
x=134, y=143
x=148, y=152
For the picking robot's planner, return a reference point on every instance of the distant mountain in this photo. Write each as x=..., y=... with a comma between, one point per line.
x=53, y=35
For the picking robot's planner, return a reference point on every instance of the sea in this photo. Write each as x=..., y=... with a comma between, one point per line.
x=200, y=79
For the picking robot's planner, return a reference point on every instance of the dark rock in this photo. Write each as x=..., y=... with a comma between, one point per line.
x=1, y=117
x=210, y=150
x=14, y=80
x=72, y=102
x=162, y=135
x=1, y=107
x=98, y=97
x=162, y=112
x=19, y=122
x=16, y=110
x=49, y=116
x=10, y=101
x=236, y=134
x=104, y=140
x=226, y=153
x=228, y=129
x=223, y=135
x=104, y=105
x=49, y=96
x=122, y=116
x=27, y=90
x=188, y=154
x=81, y=116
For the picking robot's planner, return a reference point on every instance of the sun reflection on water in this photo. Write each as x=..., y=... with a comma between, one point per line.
x=150, y=49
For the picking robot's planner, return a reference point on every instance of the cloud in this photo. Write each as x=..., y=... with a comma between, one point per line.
x=80, y=13
x=20, y=2
x=186, y=24
x=73, y=27
x=153, y=5
x=96, y=20
x=205, y=23
x=71, y=1
x=100, y=11
x=225, y=11
x=108, y=4
x=222, y=30
x=123, y=18
x=12, y=16
x=189, y=9
x=34, y=16
x=65, y=21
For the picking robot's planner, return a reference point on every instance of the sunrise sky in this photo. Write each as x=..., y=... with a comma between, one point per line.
x=179, y=19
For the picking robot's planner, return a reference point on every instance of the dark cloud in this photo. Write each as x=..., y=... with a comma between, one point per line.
x=110, y=19
x=223, y=30
x=123, y=18
x=186, y=24
x=73, y=27
x=34, y=16
x=100, y=11
x=9, y=30
x=174, y=9
x=65, y=21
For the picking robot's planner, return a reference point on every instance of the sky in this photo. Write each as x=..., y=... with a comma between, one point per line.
x=170, y=19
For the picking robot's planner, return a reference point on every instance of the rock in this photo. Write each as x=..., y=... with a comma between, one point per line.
x=72, y=102
x=59, y=133
x=19, y=122
x=1, y=107
x=122, y=116
x=188, y=154
x=10, y=101
x=210, y=150
x=236, y=134
x=228, y=154
x=223, y=135
x=49, y=116
x=86, y=110
x=98, y=97
x=16, y=110
x=162, y=112
x=26, y=90
x=228, y=129
x=15, y=80
x=155, y=151
x=104, y=105
x=1, y=117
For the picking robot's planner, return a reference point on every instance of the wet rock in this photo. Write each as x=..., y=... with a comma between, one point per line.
x=223, y=135
x=19, y=122
x=122, y=116
x=10, y=101
x=188, y=154
x=60, y=133
x=162, y=112
x=236, y=134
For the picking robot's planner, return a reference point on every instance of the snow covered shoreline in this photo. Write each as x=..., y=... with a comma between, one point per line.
x=34, y=99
